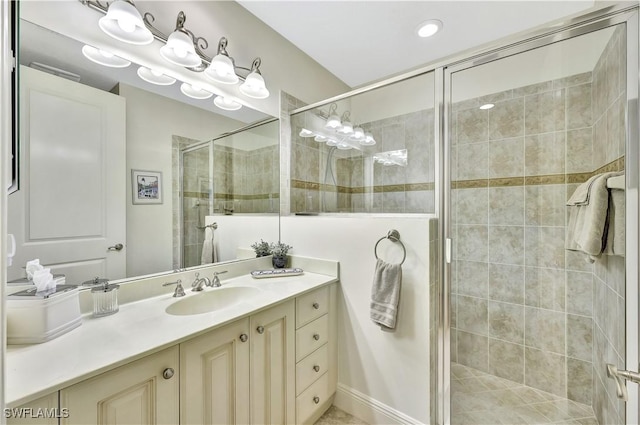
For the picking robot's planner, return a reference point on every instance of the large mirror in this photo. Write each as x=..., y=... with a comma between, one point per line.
x=64, y=212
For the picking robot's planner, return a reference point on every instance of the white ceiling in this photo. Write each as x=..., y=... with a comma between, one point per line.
x=365, y=41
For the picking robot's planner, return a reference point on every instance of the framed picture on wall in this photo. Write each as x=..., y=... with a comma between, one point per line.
x=146, y=187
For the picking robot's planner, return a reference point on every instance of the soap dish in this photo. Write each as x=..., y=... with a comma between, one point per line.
x=260, y=274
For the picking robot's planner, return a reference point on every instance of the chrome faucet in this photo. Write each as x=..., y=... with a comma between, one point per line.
x=216, y=280
x=200, y=282
x=179, y=292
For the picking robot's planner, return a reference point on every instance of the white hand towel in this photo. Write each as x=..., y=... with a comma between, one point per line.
x=385, y=294
x=207, y=247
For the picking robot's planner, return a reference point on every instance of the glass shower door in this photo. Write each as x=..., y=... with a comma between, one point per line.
x=535, y=317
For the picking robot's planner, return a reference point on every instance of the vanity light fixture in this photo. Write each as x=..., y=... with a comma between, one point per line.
x=194, y=91
x=253, y=85
x=429, y=28
x=123, y=22
x=221, y=68
x=226, y=103
x=155, y=77
x=332, y=142
x=182, y=47
x=344, y=146
x=102, y=57
x=487, y=106
x=320, y=138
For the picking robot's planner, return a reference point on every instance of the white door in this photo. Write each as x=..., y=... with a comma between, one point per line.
x=71, y=204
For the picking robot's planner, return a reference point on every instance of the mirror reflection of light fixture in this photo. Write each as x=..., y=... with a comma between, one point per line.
x=179, y=49
x=358, y=134
x=343, y=146
x=104, y=58
x=253, y=85
x=306, y=133
x=398, y=157
x=347, y=127
x=226, y=103
x=221, y=69
x=333, y=120
x=123, y=22
x=368, y=140
x=332, y=142
x=155, y=77
x=487, y=106
x=194, y=91
x=320, y=138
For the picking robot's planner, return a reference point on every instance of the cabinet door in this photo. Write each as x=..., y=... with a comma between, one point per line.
x=214, y=384
x=273, y=365
x=142, y=392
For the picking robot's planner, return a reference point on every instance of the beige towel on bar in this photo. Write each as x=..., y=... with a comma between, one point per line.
x=588, y=219
x=209, y=249
x=385, y=294
x=615, y=243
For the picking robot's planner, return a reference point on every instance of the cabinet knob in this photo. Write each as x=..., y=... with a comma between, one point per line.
x=168, y=373
x=244, y=337
x=316, y=337
x=316, y=305
x=260, y=329
x=316, y=399
x=316, y=368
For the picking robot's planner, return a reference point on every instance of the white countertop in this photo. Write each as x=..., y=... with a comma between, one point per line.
x=138, y=329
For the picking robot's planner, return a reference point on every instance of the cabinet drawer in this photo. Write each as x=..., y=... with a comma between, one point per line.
x=311, y=368
x=311, y=336
x=311, y=306
x=312, y=399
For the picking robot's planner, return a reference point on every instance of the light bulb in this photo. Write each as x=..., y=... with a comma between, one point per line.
x=106, y=54
x=126, y=25
x=306, y=133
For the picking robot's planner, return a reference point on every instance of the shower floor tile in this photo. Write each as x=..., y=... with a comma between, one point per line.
x=479, y=398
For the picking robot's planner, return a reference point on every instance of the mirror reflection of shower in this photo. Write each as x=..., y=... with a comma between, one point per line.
x=196, y=164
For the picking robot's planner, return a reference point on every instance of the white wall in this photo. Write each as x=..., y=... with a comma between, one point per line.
x=152, y=120
x=391, y=370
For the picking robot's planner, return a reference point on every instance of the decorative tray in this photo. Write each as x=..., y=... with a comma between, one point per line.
x=260, y=274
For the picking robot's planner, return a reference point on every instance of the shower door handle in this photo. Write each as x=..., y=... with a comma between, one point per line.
x=620, y=376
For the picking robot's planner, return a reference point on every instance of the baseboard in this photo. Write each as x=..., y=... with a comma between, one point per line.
x=368, y=409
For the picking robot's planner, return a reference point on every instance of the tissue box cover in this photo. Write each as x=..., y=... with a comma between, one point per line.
x=34, y=317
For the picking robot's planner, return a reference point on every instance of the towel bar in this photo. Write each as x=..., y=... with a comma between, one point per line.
x=212, y=225
x=394, y=236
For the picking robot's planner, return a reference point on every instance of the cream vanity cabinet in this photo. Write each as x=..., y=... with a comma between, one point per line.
x=241, y=373
x=43, y=411
x=316, y=368
x=277, y=366
x=145, y=391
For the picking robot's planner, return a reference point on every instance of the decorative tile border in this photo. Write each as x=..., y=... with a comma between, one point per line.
x=232, y=196
x=409, y=187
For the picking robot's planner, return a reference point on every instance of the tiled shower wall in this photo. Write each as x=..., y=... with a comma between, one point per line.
x=523, y=307
x=246, y=181
x=362, y=185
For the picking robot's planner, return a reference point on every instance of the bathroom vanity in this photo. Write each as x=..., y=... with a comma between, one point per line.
x=268, y=357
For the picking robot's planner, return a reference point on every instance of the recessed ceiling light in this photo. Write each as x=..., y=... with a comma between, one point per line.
x=429, y=28
x=487, y=106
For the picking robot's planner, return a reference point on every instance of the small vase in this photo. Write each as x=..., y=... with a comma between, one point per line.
x=279, y=262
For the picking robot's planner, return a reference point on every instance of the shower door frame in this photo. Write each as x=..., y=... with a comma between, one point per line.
x=575, y=27
x=197, y=146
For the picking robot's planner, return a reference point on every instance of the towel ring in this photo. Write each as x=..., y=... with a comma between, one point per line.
x=393, y=236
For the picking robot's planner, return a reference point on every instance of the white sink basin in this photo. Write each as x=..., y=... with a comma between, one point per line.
x=212, y=300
